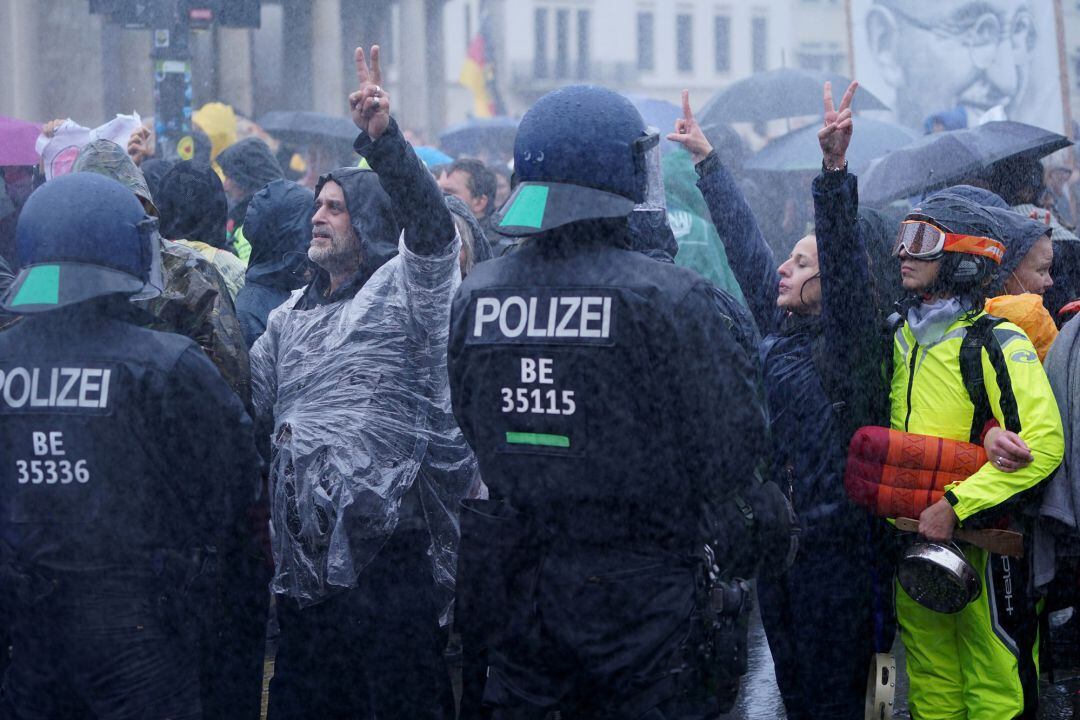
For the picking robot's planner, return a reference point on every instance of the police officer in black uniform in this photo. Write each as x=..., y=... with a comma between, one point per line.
x=118, y=494
x=610, y=408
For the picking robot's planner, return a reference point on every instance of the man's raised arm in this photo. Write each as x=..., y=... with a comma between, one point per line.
x=418, y=202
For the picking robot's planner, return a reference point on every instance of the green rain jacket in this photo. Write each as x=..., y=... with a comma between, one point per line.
x=700, y=247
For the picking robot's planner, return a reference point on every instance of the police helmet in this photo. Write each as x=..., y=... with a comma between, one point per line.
x=80, y=236
x=580, y=153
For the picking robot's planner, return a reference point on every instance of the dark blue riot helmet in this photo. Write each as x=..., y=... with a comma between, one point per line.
x=79, y=237
x=580, y=154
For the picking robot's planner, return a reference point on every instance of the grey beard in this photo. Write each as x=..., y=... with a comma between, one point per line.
x=334, y=259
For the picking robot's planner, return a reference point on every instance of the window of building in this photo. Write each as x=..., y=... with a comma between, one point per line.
x=684, y=43
x=562, y=44
x=645, y=28
x=540, y=61
x=468, y=27
x=759, y=35
x=583, y=54
x=821, y=56
x=722, y=33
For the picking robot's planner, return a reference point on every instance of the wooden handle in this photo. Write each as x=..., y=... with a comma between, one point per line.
x=999, y=542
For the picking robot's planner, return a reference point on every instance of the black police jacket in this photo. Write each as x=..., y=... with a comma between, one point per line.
x=601, y=390
x=117, y=445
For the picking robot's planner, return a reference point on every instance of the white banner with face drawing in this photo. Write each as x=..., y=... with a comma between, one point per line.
x=946, y=64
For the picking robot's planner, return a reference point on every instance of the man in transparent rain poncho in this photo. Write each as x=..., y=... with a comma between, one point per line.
x=368, y=464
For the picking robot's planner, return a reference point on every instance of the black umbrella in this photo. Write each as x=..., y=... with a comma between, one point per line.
x=941, y=159
x=799, y=149
x=300, y=127
x=480, y=137
x=783, y=93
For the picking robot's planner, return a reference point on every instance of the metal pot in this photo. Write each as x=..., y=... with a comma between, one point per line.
x=938, y=576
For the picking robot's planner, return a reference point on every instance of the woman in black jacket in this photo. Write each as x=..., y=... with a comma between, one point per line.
x=822, y=357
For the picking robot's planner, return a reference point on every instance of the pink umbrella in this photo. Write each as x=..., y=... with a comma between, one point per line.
x=17, y=138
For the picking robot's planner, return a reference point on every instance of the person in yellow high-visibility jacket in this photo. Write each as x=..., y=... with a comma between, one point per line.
x=982, y=662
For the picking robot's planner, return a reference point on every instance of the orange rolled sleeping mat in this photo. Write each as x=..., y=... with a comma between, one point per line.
x=897, y=474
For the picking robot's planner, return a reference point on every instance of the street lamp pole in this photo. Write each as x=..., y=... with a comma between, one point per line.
x=171, y=60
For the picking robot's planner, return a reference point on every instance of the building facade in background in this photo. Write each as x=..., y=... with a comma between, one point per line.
x=645, y=47
x=58, y=60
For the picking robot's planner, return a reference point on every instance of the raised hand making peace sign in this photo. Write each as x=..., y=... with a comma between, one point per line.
x=688, y=133
x=835, y=136
x=370, y=105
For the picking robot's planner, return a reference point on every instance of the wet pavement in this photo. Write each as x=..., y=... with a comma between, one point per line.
x=759, y=698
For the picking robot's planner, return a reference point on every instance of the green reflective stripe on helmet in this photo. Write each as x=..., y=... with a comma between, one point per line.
x=543, y=439
x=528, y=208
x=41, y=287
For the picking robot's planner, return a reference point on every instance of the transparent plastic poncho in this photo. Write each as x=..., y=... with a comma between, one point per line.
x=360, y=398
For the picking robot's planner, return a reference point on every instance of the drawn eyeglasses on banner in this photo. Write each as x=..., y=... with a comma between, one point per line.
x=982, y=34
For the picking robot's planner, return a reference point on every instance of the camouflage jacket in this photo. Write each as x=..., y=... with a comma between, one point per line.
x=197, y=304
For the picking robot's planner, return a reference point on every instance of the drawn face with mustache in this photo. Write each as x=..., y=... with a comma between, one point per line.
x=940, y=54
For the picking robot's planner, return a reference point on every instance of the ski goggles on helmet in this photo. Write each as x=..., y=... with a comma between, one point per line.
x=925, y=239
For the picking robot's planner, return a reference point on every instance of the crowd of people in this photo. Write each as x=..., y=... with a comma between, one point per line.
x=420, y=423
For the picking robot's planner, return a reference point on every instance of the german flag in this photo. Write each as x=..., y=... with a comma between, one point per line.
x=478, y=75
